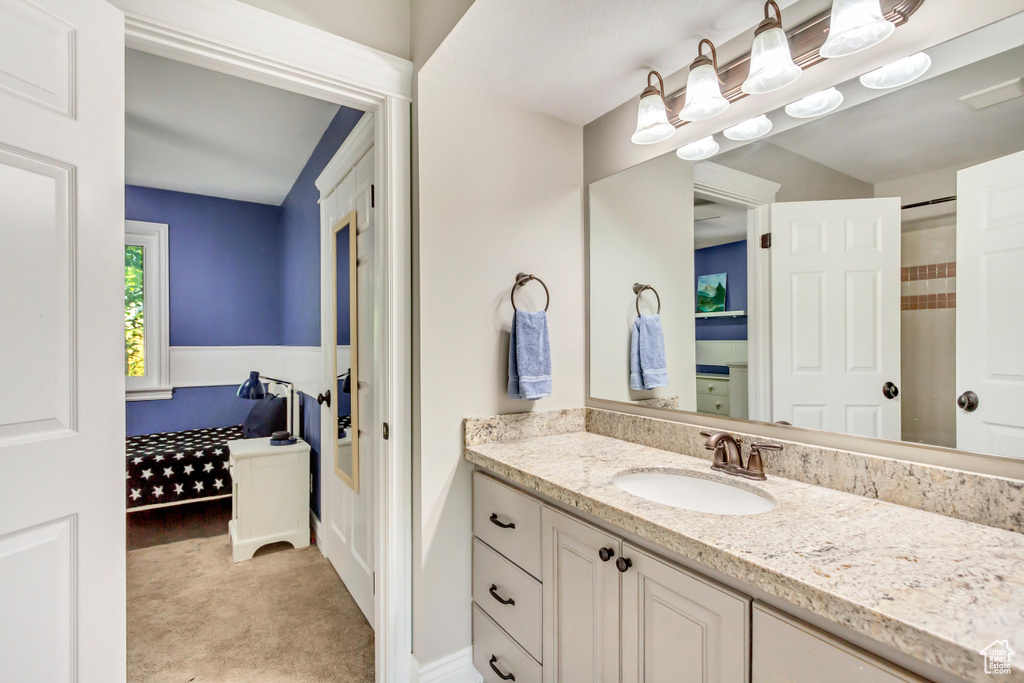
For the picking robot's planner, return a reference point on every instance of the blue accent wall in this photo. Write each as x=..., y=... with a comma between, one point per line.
x=191, y=408
x=225, y=266
x=300, y=251
x=728, y=258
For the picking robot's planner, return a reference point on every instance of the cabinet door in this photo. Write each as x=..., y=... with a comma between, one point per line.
x=680, y=627
x=789, y=651
x=581, y=601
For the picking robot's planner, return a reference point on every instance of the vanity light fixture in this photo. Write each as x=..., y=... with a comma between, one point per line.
x=855, y=25
x=751, y=129
x=818, y=104
x=898, y=73
x=698, y=149
x=652, y=115
x=771, y=62
x=703, y=93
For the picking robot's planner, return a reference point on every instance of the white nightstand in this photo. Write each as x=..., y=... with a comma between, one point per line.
x=270, y=495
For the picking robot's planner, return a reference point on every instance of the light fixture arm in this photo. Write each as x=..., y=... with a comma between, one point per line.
x=769, y=21
x=651, y=89
x=703, y=58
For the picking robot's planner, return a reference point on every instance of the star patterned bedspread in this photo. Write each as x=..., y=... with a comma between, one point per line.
x=172, y=467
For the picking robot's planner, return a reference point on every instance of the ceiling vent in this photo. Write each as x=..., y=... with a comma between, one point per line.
x=997, y=94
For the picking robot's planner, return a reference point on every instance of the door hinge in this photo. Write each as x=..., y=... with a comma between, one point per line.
x=387, y=431
x=766, y=241
x=374, y=575
x=373, y=197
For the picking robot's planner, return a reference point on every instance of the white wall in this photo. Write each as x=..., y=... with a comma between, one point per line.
x=641, y=230
x=500, y=191
x=380, y=24
x=802, y=179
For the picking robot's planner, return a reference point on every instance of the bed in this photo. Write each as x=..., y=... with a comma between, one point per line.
x=172, y=468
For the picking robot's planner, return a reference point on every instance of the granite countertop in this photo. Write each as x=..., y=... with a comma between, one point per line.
x=935, y=588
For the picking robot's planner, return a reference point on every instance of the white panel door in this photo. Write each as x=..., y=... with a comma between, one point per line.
x=989, y=315
x=836, y=315
x=581, y=601
x=62, y=515
x=349, y=520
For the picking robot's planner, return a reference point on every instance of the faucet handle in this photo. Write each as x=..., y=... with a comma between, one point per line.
x=755, y=467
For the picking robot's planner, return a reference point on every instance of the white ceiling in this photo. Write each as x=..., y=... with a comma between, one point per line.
x=577, y=59
x=895, y=136
x=194, y=130
x=715, y=223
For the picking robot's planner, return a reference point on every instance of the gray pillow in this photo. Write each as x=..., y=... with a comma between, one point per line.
x=269, y=415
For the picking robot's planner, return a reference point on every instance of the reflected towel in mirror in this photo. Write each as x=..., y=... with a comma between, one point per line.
x=647, y=367
x=529, y=356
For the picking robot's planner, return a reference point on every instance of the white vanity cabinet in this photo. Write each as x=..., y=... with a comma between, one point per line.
x=605, y=598
x=678, y=626
x=560, y=600
x=581, y=600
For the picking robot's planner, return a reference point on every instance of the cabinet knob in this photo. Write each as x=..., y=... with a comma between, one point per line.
x=623, y=564
x=606, y=554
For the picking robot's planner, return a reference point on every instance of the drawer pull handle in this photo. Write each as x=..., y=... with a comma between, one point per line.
x=493, y=590
x=495, y=522
x=495, y=669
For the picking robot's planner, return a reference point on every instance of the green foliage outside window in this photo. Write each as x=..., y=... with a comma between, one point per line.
x=134, y=322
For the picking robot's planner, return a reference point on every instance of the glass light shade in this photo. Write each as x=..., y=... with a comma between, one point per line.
x=703, y=95
x=855, y=25
x=698, y=149
x=818, y=104
x=751, y=129
x=898, y=73
x=771, y=63
x=652, y=121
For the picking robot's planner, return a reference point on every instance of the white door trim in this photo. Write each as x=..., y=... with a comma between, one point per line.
x=735, y=187
x=240, y=40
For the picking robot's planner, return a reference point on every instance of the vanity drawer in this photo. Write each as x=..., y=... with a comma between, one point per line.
x=718, y=405
x=715, y=386
x=788, y=651
x=522, y=617
x=493, y=649
x=508, y=521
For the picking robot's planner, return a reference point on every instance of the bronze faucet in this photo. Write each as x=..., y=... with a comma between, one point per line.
x=729, y=459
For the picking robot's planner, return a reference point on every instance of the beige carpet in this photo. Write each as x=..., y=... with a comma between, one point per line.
x=194, y=615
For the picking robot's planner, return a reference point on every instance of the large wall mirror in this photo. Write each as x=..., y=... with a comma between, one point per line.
x=888, y=301
x=346, y=466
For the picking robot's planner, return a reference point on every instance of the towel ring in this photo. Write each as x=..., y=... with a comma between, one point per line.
x=522, y=279
x=639, y=289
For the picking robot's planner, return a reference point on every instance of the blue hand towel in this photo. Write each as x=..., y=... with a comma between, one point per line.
x=529, y=356
x=647, y=367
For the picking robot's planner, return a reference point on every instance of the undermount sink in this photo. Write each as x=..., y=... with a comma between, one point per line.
x=694, y=493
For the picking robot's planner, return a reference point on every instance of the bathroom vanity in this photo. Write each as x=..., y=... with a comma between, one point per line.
x=576, y=579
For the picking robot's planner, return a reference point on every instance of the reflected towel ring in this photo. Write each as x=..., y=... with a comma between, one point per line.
x=639, y=289
x=522, y=279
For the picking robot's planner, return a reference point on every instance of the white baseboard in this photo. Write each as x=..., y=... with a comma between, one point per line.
x=318, y=532
x=455, y=668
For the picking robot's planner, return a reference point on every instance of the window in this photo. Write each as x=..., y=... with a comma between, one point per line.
x=146, y=329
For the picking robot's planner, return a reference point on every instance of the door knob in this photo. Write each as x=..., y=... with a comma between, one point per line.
x=606, y=554
x=890, y=390
x=968, y=401
x=623, y=564
x=324, y=398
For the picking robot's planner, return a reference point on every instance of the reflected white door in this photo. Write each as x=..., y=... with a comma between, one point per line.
x=989, y=315
x=349, y=521
x=836, y=315
x=62, y=514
